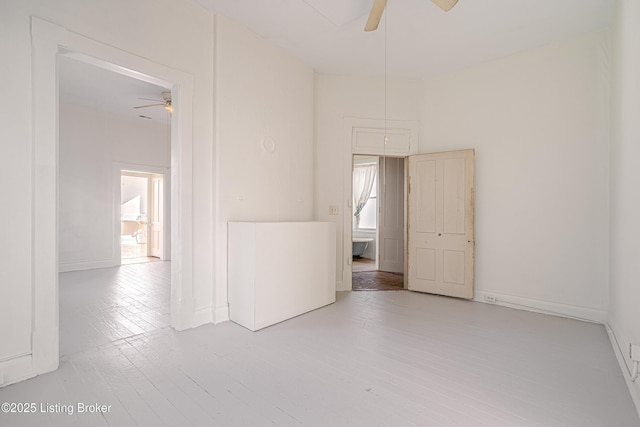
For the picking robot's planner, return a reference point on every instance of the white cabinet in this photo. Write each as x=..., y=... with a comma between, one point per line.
x=279, y=270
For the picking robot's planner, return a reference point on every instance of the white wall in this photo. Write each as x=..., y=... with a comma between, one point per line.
x=145, y=28
x=338, y=97
x=264, y=117
x=624, y=309
x=539, y=123
x=15, y=175
x=90, y=141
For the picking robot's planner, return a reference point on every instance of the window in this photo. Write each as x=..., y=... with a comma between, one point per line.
x=368, y=215
x=365, y=179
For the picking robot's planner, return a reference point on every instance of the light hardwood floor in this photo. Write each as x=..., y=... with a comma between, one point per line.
x=370, y=359
x=363, y=264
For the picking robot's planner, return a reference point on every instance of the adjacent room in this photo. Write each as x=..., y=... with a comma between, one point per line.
x=379, y=212
x=141, y=213
x=114, y=137
x=204, y=195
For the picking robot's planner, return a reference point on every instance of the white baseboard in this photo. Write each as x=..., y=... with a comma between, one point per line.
x=202, y=317
x=622, y=356
x=65, y=267
x=17, y=369
x=545, y=307
x=221, y=314
x=340, y=286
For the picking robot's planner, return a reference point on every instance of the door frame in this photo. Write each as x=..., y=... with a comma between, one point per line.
x=380, y=198
x=147, y=171
x=49, y=40
x=352, y=125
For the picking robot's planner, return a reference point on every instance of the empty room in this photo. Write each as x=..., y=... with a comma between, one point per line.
x=183, y=218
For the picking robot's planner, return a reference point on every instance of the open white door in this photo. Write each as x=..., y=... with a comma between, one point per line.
x=391, y=224
x=441, y=211
x=156, y=238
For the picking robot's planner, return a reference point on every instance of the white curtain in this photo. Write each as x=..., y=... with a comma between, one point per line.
x=363, y=178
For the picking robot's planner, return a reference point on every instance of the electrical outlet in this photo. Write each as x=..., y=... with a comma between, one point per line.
x=635, y=352
x=333, y=210
x=490, y=298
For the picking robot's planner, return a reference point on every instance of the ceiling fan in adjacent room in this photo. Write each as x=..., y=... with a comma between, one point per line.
x=165, y=103
x=378, y=8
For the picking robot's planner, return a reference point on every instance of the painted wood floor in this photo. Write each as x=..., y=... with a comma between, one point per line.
x=104, y=305
x=370, y=359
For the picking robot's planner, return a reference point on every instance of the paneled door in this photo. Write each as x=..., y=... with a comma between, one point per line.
x=440, y=223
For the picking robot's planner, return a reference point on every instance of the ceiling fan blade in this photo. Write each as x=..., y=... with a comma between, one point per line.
x=375, y=15
x=150, y=105
x=151, y=99
x=445, y=5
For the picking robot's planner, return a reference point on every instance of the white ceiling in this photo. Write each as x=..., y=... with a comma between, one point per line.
x=421, y=38
x=328, y=34
x=96, y=87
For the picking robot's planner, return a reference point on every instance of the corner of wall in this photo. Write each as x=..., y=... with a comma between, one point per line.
x=221, y=314
x=619, y=344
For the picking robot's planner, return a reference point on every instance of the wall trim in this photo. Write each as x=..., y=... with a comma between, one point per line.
x=621, y=357
x=66, y=267
x=221, y=314
x=202, y=316
x=381, y=126
x=16, y=369
x=544, y=307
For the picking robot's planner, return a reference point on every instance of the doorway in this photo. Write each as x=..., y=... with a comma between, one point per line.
x=142, y=212
x=378, y=212
x=111, y=214
x=437, y=254
x=49, y=41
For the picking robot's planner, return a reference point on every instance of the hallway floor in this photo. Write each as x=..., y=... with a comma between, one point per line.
x=376, y=281
x=365, y=277
x=363, y=264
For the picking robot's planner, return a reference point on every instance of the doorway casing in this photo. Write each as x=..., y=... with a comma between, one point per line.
x=49, y=40
x=373, y=137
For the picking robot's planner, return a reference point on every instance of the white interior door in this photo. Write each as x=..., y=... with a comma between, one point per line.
x=391, y=223
x=441, y=210
x=156, y=238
